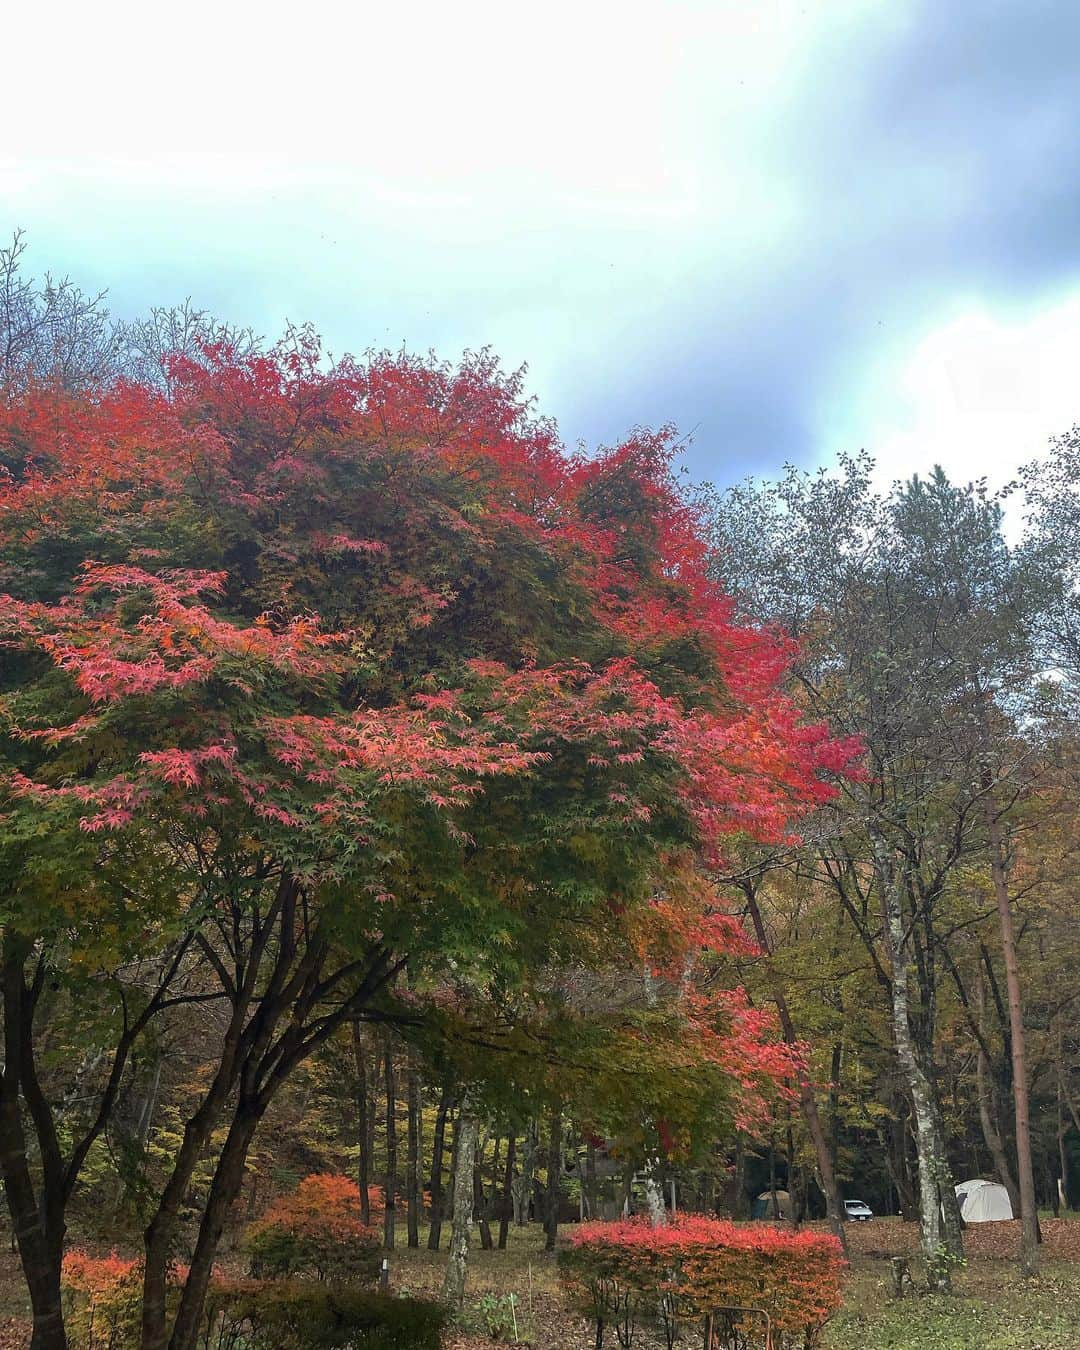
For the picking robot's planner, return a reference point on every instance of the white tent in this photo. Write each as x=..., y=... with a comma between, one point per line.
x=983, y=1201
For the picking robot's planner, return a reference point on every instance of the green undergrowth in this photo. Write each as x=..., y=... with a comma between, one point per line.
x=993, y=1309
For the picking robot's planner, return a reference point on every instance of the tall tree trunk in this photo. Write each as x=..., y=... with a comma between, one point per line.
x=794, y=1181
x=363, y=1111
x=1062, y=1124
x=1029, y=1214
x=38, y=1226
x=942, y=1247
x=775, y=1214
x=224, y=1189
x=738, y=1206
x=898, y=1163
x=468, y=1128
x=834, y=1205
x=554, y=1170
x=523, y=1184
x=438, y=1148
x=390, y=1086
x=40, y=1252
x=590, y=1178
x=984, y=1091
x=412, y=1164
x=480, y=1203
x=506, y=1204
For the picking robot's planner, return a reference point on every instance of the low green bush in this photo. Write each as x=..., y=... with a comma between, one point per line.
x=291, y=1315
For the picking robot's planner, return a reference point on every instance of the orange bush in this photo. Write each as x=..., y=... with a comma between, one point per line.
x=314, y=1230
x=695, y=1267
x=103, y=1299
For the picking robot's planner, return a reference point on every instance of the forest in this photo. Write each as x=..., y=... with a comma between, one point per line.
x=459, y=888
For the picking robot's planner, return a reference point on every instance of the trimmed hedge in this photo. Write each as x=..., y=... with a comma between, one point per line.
x=291, y=1315
x=695, y=1268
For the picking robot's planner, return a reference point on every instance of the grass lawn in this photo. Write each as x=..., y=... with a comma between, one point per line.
x=992, y=1309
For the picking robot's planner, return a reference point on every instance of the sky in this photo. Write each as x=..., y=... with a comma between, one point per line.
x=790, y=227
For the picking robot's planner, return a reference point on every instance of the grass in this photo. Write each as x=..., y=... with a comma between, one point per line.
x=992, y=1308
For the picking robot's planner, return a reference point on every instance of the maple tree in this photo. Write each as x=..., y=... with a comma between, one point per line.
x=361, y=668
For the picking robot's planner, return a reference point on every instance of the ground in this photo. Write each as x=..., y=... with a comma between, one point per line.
x=993, y=1309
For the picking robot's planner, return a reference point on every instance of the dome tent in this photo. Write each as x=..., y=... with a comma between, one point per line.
x=763, y=1206
x=983, y=1201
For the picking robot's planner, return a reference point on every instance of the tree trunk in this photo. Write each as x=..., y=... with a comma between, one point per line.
x=480, y=1205
x=1062, y=1123
x=39, y=1225
x=1029, y=1214
x=39, y=1259
x=390, y=1187
x=412, y=1164
x=468, y=1129
x=794, y=1182
x=941, y=1242
x=224, y=1189
x=506, y=1205
x=363, y=1111
x=775, y=1214
x=523, y=1185
x=438, y=1149
x=834, y=1205
x=590, y=1179
x=991, y=1134
x=554, y=1168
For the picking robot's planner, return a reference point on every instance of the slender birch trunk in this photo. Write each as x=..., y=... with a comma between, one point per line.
x=466, y=1134
x=941, y=1241
x=363, y=1111
x=390, y=1212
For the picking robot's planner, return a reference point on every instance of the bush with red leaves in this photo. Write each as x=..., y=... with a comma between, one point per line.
x=314, y=1230
x=103, y=1299
x=705, y=1269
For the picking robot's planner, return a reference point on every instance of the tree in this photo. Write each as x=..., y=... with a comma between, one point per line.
x=916, y=623
x=366, y=672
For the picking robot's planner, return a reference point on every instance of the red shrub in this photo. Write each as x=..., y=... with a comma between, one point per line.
x=697, y=1266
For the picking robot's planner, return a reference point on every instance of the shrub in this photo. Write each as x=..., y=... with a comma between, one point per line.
x=695, y=1268
x=315, y=1230
x=103, y=1300
x=292, y=1315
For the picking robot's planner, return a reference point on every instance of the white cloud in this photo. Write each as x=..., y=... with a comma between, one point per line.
x=980, y=395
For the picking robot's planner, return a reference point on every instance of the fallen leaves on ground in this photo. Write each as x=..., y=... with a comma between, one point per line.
x=999, y=1241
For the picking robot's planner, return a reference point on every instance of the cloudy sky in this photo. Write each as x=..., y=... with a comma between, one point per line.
x=790, y=226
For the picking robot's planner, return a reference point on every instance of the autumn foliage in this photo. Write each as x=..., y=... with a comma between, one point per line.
x=695, y=1267
x=362, y=655
x=103, y=1298
x=314, y=1230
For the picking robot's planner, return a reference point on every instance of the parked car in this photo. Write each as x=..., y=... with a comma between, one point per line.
x=857, y=1211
